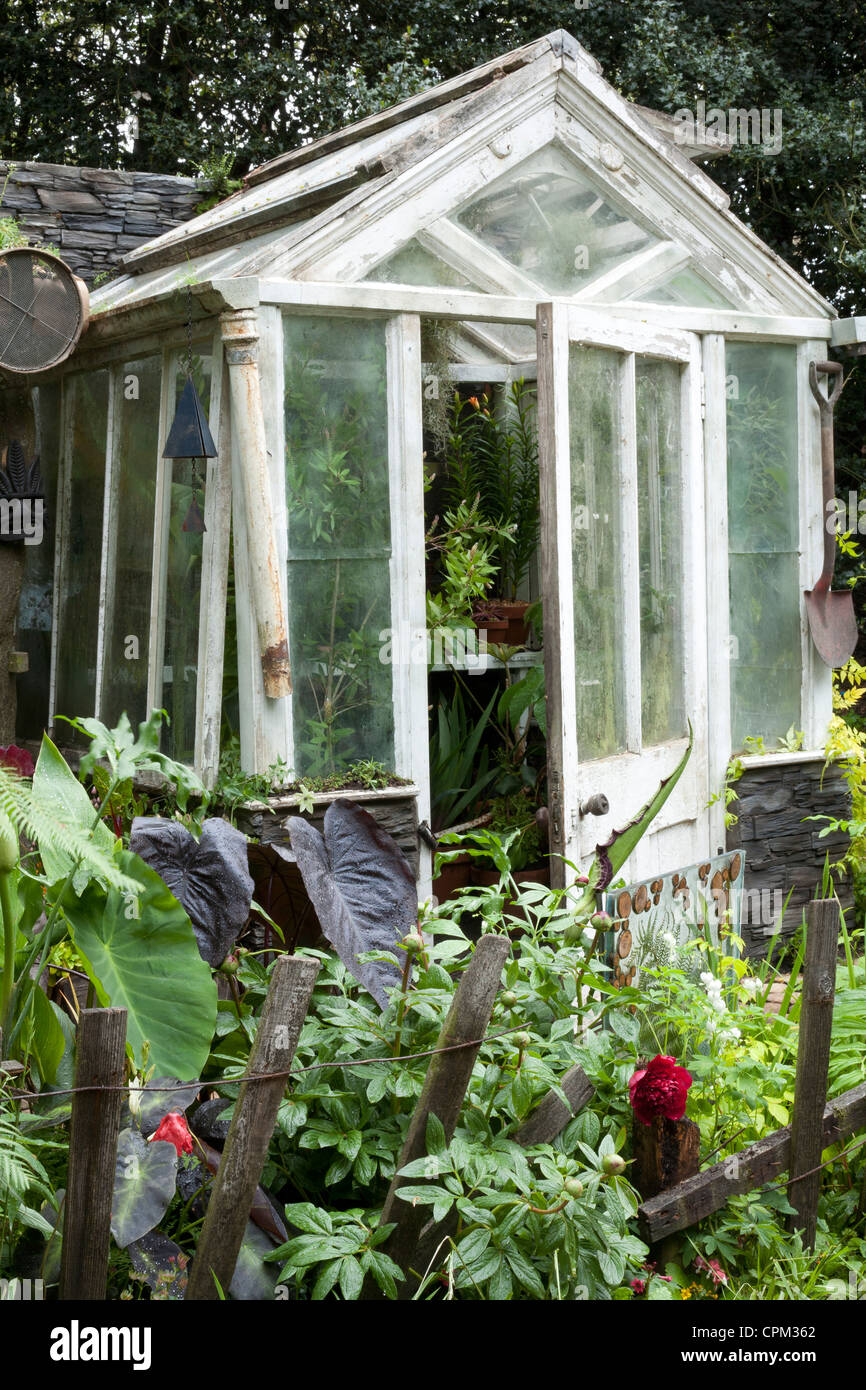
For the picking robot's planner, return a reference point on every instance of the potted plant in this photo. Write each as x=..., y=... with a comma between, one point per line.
x=492, y=457
x=464, y=548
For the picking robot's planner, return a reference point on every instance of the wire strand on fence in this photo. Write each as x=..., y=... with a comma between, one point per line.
x=271, y=1075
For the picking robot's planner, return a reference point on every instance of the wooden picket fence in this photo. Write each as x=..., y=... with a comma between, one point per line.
x=99, y=1091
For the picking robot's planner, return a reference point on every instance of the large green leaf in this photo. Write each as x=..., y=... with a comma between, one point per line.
x=72, y=838
x=142, y=956
x=36, y=1034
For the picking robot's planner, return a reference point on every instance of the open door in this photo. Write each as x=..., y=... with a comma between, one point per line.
x=623, y=583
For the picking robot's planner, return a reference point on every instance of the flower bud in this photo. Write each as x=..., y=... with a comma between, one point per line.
x=509, y=999
x=8, y=844
x=413, y=943
x=601, y=921
x=573, y=1187
x=613, y=1165
x=229, y=966
x=522, y=1040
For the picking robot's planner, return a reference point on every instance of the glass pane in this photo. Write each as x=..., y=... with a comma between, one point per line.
x=689, y=288
x=86, y=401
x=183, y=582
x=765, y=667
x=547, y=218
x=413, y=265
x=763, y=540
x=339, y=542
x=35, y=605
x=127, y=602
x=659, y=449
x=597, y=544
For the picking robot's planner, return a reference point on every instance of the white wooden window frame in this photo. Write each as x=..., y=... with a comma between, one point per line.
x=266, y=725
x=170, y=348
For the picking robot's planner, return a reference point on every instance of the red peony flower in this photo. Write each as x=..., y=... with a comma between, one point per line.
x=173, y=1129
x=659, y=1088
x=639, y=1286
x=17, y=760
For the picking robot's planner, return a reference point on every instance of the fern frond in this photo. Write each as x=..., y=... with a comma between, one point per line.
x=37, y=820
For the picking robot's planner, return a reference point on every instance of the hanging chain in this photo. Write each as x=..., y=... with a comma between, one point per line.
x=189, y=330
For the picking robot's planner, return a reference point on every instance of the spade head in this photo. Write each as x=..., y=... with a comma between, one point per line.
x=832, y=624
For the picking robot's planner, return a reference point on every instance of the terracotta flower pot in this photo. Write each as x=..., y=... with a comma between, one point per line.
x=503, y=620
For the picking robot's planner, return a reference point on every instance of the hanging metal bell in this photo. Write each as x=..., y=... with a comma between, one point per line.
x=189, y=436
x=194, y=521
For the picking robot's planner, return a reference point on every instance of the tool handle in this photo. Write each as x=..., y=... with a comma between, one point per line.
x=827, y=369
x=828, y=479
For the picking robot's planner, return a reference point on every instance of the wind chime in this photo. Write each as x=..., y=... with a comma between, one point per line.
x=190, y=436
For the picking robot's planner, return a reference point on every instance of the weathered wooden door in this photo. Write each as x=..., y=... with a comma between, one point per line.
x=624, y=586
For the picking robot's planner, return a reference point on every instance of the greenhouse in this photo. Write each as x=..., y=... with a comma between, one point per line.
x=432, y=720
x=520, y=224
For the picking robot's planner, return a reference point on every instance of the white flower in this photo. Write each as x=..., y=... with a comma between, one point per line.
x=718, y=1003
x=669, y=939
x=707, y=978
x=750, y=985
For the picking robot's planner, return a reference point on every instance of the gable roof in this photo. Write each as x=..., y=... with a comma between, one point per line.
x=334, y=208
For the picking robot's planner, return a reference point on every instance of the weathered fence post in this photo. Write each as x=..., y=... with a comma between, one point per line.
x=550, y=1116
x=444, y=1088
x=101, y=1055
x=666, y=1152
x=251, y=1128
x=813, y=1058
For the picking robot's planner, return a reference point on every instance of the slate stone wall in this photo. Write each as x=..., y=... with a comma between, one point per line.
x=783, y=851
x=95, y=216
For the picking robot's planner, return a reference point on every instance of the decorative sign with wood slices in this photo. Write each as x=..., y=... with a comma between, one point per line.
x=652, y=919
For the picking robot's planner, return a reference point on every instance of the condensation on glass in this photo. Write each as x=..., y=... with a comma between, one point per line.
x=597, y=543
x=547, y=218
x=659, y=491
x=85, y=405
x=763, y=541
x=129, y=551
x=339, y=542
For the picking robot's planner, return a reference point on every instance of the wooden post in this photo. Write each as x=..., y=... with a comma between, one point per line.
x=101, y=1054
x=444, y=1088
x=550, y=1116
x=251, y=1128
x=762, y=1162
x=666, y=1152
x=813, y=1059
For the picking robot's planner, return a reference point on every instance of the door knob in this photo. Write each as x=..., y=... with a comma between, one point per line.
x=595, y=805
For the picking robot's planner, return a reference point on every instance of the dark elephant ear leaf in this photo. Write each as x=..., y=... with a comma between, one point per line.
x=209, y=877
x=362, y=888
